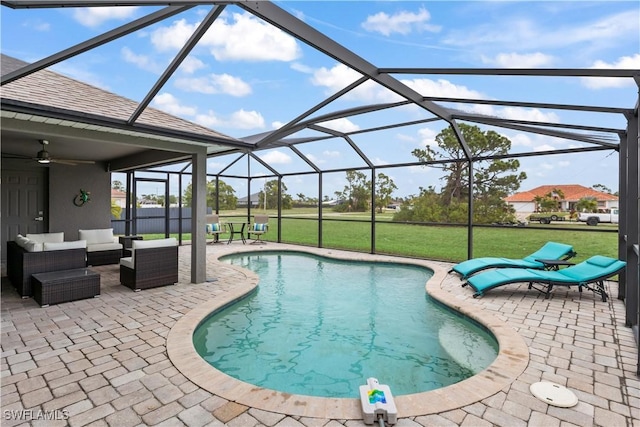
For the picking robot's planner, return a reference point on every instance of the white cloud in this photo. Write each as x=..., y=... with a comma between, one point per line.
x=340, y=76
x=442, y=88
x=341, y=125
x=528, y=114
x=335, y=78
x=247, y=120
x=143, y=62
x=94, y=16
x=215, y=83
x=241, y=37
x=298, y=66
x=173, y=37
x=623, y=63
x=276, y=158
x=37, y=25
x=530, y=35
x=333, y=153
x=277, y=124
x=170, y=104
x=402, y=22
x=314, y=159
x=378, y=161
x=191, y=64
x=516, y=60
x=210, y=120
x=427, y=137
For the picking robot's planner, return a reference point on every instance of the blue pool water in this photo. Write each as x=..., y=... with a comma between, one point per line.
x=319, y=326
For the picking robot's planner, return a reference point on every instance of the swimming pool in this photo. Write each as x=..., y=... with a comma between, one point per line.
x=320, y=326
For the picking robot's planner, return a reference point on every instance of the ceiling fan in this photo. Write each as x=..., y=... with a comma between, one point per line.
x=43, y=157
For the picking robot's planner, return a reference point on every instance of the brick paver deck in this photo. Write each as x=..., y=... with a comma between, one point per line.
x=104, y=361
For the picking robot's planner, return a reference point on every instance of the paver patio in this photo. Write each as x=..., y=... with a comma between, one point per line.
x=104, y=361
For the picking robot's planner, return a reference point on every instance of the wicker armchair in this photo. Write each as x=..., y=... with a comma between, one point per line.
x=152, y=263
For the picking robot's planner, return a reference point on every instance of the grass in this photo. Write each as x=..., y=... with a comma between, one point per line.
x=446, y=243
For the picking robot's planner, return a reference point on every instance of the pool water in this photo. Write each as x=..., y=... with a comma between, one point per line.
x=319, y=326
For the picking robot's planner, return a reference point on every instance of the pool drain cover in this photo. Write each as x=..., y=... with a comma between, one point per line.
x=554, y=394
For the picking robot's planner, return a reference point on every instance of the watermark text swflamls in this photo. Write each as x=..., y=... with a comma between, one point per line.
x=35, y=414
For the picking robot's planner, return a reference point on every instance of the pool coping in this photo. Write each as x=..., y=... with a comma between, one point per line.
x=512, y=359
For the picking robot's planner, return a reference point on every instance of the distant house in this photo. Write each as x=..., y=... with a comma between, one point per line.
x=524, y=202
x=118, y=198
x=255, y=201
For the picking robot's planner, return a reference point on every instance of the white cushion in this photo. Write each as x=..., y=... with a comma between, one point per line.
x=47, y=237
x=27, y=244
x=103, y=247
x=64, y=245
x=158, y=243
x=127, y=262
x=146, y=244
x=102, y=235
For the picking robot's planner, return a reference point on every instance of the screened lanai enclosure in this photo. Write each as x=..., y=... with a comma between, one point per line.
x=392, y=154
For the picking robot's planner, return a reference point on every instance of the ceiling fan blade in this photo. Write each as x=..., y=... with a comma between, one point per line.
x=63, y=162
x=15, y=156
x=83, y=162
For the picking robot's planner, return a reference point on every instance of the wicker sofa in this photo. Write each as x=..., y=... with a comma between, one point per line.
x=152, y=263
x=102, y=246
x=41, y=253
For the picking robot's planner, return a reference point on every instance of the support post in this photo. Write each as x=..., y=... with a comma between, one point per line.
x=198, y=216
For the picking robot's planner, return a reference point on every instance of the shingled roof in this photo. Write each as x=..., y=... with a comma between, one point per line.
x=572, y=193
x=50, y=89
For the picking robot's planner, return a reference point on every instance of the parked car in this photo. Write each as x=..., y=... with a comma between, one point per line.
x=592, y=218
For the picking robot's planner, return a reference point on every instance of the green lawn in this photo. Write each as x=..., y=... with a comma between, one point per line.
x=447, y=243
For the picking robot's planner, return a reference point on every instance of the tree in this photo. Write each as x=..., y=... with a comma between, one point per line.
x=493, y=178
x=550, y=201
x=603, y=188
x=116, y=210
x=271, y=199
x=226, y=193
x=356, y=193
x=587, y=204
x=384, y=190
x=117, y=185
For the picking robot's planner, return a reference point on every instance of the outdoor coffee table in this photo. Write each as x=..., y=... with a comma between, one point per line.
x=65, y=285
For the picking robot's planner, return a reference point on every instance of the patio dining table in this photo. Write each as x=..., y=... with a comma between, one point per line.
x=236, y=228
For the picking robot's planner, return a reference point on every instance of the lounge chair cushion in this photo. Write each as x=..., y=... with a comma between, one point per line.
x=594, y=269
x=550, y=250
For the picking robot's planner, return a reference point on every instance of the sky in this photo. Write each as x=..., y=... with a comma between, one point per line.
x=246, y=77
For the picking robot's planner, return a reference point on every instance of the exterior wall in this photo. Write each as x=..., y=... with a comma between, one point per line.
x=524, y=207
x=65, y=182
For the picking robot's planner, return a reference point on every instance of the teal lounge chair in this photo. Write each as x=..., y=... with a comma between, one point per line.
x=592, y=271
x=550, y=251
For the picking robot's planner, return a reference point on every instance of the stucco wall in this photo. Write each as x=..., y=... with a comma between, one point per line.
x=65, y=183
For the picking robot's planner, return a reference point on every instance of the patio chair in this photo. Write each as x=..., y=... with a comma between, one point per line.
x=259, y=227
x=152, y=263
x=592, y=271
x=550, y=251
x=214, y=227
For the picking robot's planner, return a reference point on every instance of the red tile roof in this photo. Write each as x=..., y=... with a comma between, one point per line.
x=572, y=193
